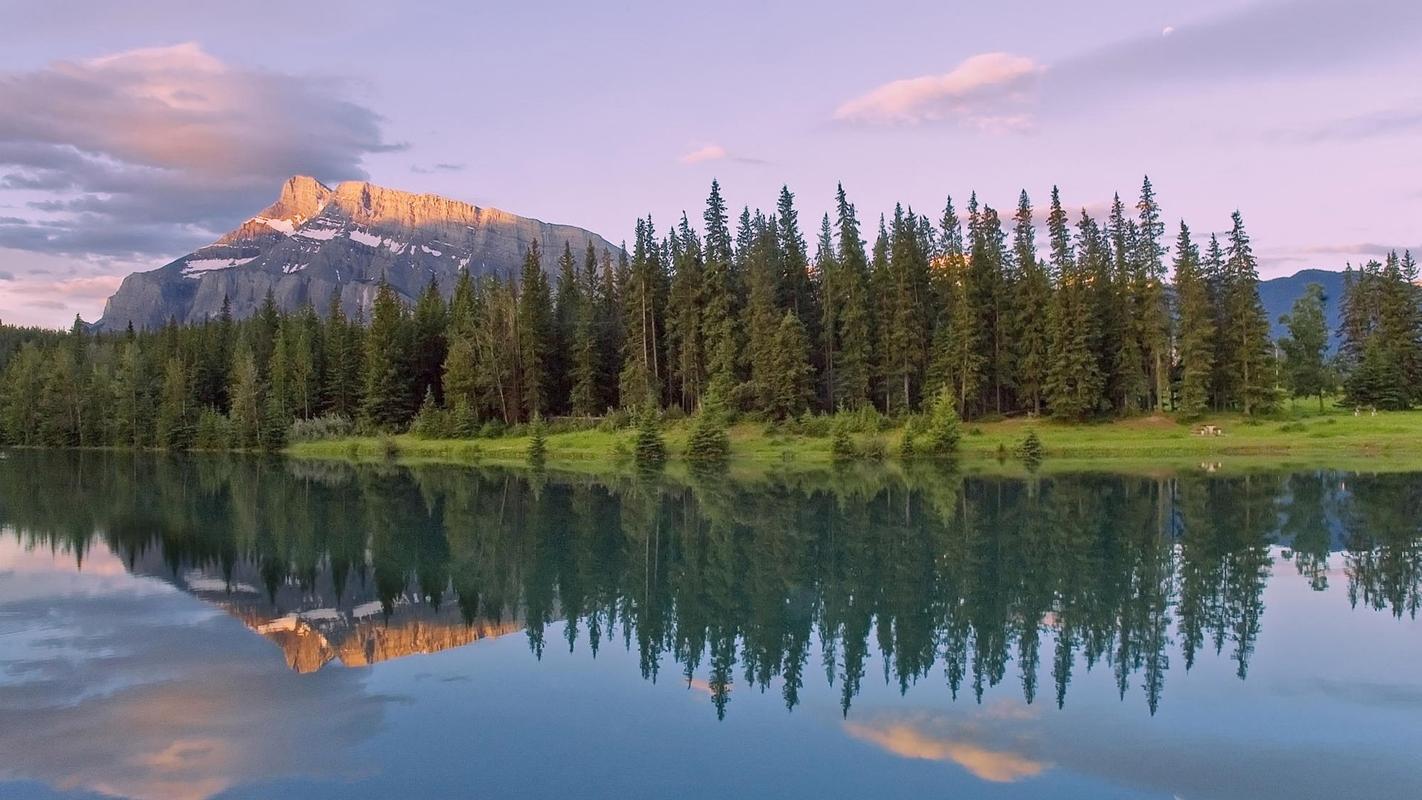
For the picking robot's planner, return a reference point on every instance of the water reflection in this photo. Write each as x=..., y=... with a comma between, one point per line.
x=975, y=581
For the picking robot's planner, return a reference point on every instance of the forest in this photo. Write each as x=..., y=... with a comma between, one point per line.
x=1107, y=320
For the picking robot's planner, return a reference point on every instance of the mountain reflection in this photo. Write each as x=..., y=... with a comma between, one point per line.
x=969, y=580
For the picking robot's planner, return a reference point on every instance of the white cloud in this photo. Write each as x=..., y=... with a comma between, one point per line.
x=988, y=90
x=1167, y=30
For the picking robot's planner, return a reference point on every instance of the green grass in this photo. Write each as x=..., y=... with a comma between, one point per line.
x=1301, y=436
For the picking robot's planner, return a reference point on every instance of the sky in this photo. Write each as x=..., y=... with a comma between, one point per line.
x=133, y=133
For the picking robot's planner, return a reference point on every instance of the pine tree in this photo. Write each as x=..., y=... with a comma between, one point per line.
x=709, y=442
x=943, y=426
x=1154, y=314
x=762, y=311
x=1074, y=380
x=1305, y=371
x=246, y=400
x=650, y=450
x=276, y=421
x=387, y=398
x=175, y=422
x=856, y=333
x=789, y=383
x=827, y=274
x=956, y=362
x=1196, y=325
x=429, y=345
x=686, y=356
x=718, y=318
x=1033, y=294
x=639, y=382
x=1251, y=364
x=341, y=352
x=567, y=308
x=535, y=333
x=537, y=442
x=585, y=395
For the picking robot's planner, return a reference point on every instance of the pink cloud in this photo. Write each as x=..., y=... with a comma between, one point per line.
x=988, y=90
x=710, y=152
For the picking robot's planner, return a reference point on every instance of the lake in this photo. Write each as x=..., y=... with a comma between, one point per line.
x=193, y=627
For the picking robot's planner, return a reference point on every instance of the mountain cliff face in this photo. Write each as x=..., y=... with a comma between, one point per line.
x=315, y=240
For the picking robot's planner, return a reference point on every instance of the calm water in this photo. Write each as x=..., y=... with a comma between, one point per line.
x=244, y=628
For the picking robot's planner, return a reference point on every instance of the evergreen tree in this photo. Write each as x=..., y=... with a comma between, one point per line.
x=1196, y=325
x=639, y=382
x=856, y=333
x=650, y=449
x=175, y=422
x=709, y=442
x=1250, y=366
x=789, y=383
x=535, y=334
x=943, y=427
x=687, y=358
x=429, y=345
x=1074, y=380
x=1305, y=372
x=718, y=318
x=387, y=398
x=246, y=400
x=586, y=394
x=1033, y=294
x=1154, y=314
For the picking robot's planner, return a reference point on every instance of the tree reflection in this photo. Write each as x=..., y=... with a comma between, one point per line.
x=975, y=579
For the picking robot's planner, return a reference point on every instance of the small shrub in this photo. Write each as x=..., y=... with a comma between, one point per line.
x=492, y=429
x=537, y=442
x=943, y=426
x=615, y=420
x=1291, y=427
x=1030, y=450
x=876, y=449
x=842, y=445
x=214, y=430
x=650, y=449
x=463, y=423
x=316, y=429
x=389, y=448
x=817, y=426
x=906, y=443
x=709, y=442
x=432, y=422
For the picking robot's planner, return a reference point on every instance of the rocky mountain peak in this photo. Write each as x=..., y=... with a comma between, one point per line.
x=315, y=241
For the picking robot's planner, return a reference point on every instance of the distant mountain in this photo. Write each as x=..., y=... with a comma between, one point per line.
x=315, y=239
x=1279, y=294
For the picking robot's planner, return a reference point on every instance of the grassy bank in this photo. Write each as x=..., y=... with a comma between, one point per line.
x=1335, y=437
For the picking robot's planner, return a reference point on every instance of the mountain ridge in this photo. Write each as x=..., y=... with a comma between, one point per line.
x=315, y=240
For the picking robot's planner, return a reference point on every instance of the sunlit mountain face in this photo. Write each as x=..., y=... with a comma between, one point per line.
x=1001, y=631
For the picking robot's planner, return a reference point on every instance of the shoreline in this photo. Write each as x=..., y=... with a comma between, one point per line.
x=1330, y=438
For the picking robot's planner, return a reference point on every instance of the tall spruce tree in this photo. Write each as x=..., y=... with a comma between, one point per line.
x=1305, y=370
x=535, y=335
x=388, y=399
x=1196, y=325
x=1033, y=292
x=1250, y=366
x=718, y=318
x=856, y=334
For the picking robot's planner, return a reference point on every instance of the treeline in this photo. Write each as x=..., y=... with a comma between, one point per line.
x=969, y=306
x=971, y=581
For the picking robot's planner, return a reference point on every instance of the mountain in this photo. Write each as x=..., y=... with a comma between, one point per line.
x=315, y=239
x=1279, y=294
x=328, y=620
